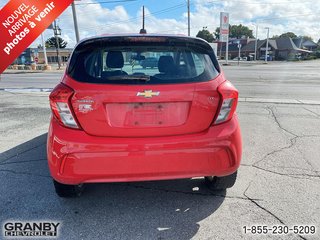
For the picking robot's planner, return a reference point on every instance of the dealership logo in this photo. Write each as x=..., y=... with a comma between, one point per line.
x=30, y=229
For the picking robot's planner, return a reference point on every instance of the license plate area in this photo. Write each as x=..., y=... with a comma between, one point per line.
x=142, y=115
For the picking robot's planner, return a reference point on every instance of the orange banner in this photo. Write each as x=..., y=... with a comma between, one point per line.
x=21, y=22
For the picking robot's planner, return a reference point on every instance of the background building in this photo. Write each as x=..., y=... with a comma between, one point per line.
x=30, y=55
x=284, y=48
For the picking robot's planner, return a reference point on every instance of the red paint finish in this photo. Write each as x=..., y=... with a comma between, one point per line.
x=144, y=114
x=86, y=158
x=97, y=121
x=112, y=132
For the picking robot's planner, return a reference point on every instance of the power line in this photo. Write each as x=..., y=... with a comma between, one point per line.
x=83, y=6
x=275, y=18
x=113, y=1
x=180, y=28
x=147, y=16
x=174, y=7
x=260, y=3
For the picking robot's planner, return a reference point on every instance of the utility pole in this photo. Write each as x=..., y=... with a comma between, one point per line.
x=239, y=53
x=266, y=56
x=256, y=43
x=44, y=51
x=227, y=50
x=75, y=21
x=57, y=32
x=188, y=17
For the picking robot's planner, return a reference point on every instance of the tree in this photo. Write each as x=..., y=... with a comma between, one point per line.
x=205, y=34
x=236, y=31
x=305, y=38
x=288, y=34
x=240, y=31
x=51, y=43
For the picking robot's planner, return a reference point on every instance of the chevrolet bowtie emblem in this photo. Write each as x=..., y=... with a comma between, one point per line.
x=148, y=94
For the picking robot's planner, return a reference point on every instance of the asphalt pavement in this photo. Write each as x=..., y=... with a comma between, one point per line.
x=275, y=80
x=278, y=181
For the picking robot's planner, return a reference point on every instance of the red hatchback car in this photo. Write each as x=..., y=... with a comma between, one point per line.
x=115, y=121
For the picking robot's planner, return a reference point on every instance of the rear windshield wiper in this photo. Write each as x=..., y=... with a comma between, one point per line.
x=130, y=77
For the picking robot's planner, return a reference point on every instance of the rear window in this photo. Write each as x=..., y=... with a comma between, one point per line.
x=120, y=61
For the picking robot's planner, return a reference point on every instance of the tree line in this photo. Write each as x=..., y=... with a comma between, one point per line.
x=241, y=31
x=235, y=32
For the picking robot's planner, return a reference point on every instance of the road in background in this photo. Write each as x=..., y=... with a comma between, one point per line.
x=30, y=80
x=275, y=80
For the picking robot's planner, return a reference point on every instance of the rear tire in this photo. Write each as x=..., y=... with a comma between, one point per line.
x=221, y=183
x=68, y=191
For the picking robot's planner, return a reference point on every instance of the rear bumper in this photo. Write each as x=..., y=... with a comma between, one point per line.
x=75, y=157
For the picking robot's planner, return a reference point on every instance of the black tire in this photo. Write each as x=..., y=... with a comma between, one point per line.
x=68, y=191
x=221, y=183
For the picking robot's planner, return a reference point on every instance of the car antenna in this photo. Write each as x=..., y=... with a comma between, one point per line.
x=142, y=30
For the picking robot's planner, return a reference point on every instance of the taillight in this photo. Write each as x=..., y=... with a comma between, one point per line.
x=61, y=107
x=228, y=103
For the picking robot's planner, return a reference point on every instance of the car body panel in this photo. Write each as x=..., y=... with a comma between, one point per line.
x=75, y=157
x=196, y=102
x=140, y=132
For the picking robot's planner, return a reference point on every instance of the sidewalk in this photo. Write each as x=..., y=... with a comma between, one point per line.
x=14, y=71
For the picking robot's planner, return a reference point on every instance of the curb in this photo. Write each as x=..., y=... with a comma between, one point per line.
x=279, y=101
x=35, y=71
x=26, y=90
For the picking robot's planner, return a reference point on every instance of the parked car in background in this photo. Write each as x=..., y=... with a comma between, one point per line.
x=113, y=124
x=240, y=59
x=263, y=57
x=150, y=62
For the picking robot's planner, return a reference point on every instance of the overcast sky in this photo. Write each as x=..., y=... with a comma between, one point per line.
x=164, y=16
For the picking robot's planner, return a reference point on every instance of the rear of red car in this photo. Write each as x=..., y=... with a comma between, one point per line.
x=114, y=120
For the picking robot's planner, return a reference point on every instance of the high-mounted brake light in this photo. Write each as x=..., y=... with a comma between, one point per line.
x=229, y=101
x=61, y=107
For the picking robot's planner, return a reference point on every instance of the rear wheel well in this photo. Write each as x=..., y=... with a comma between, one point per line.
x=68, y=191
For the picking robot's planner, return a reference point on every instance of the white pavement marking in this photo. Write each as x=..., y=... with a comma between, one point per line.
x=26, y=90
x=253, y=100
x=280, y=101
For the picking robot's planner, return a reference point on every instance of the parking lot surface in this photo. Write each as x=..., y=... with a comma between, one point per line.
x=278, y=181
